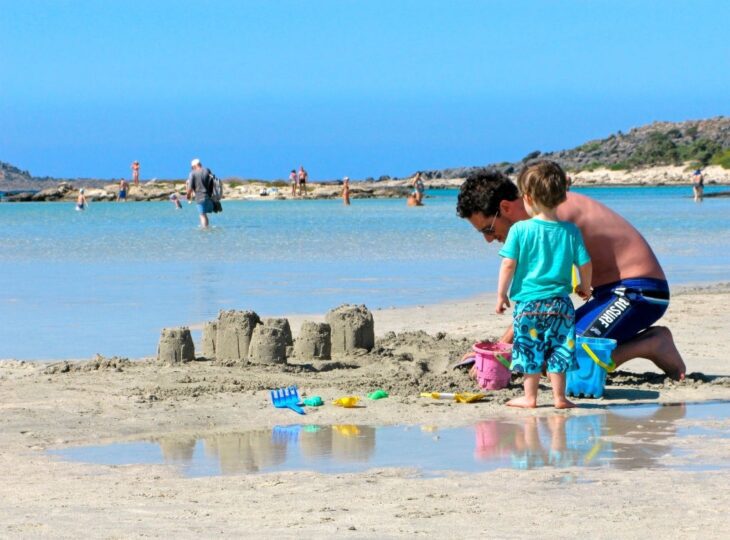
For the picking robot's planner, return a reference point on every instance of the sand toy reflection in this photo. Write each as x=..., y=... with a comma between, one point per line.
x=342, y=442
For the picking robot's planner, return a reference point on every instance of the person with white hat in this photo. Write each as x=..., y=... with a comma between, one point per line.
x=81, y=200
x=200, y=185
x=346, y=190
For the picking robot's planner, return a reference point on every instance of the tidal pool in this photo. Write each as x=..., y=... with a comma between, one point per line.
x=621, y=437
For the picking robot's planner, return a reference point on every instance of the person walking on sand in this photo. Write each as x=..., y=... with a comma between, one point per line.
x=537, y=260
x=302, y=181
x=418, y=188
x=630, y=291
x=123, y=187
x=294, y=180
x=81, y=203
x=346, y=191
x=200, y=185
x=698, y=185
x=135, y=172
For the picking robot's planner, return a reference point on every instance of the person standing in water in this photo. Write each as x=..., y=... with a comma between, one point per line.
x=698, y=185
x=346, y=191
x=135, y=172
x=123, y=187
x=418, y=188
x=81, y=203
x=175, y=200
x=200, y=185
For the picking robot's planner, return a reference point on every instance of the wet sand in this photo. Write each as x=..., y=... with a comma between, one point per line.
x=60, y=404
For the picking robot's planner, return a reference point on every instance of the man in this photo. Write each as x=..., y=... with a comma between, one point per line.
x=200, y=185
x=629, y=286
x=303, y=175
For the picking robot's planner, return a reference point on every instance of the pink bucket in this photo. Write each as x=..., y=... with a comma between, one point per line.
x=492, y=362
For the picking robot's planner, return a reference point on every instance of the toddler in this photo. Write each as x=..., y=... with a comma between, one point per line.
x=538, y=256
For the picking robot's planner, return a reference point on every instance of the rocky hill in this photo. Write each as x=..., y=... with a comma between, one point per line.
x=698, y=142
x=12, y=177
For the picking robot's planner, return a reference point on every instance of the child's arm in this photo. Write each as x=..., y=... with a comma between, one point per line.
x=584, y=288
x=506, y=272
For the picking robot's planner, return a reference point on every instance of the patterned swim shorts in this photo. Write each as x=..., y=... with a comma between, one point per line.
x=544, y=336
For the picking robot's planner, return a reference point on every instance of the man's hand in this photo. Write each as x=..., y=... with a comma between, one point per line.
x=502, y=304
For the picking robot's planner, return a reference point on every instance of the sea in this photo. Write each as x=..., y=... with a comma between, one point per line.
x=108, y=279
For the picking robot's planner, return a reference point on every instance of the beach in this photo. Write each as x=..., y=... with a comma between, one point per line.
x=48, y=406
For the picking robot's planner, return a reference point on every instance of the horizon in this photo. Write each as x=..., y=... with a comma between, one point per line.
x=345, y=89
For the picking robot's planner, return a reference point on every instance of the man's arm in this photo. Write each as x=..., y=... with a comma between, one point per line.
x=189, y=190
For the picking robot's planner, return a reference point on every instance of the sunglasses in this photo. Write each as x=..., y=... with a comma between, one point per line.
x=489, y=230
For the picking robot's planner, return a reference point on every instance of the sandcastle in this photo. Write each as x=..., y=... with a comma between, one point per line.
x=175, y=346
x=233, y=335
x=282, y=324
x=314, y=341
x=237, y=337
x=268, y=345
x=353, y=329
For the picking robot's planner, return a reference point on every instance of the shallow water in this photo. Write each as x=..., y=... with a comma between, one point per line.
x=109, y=279
x=621, y=437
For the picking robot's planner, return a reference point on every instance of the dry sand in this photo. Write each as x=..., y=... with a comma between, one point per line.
x=48, y=406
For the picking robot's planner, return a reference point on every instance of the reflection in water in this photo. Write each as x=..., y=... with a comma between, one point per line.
x=259, y=450
x=624, y=438
x=633, y=441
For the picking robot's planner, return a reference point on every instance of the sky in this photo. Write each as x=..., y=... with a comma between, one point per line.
x=356, y=88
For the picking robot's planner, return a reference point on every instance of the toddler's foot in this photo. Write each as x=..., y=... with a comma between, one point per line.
x=564, y=404
x=522, y=402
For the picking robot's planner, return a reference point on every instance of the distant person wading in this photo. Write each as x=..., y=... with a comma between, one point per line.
x=698, y=185
x=200, y=185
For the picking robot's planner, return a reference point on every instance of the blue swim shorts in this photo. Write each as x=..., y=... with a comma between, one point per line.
x=622, y=309
x=544, y=336
x=205, y=206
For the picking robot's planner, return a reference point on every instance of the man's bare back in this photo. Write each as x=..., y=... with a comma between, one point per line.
x=617, y=249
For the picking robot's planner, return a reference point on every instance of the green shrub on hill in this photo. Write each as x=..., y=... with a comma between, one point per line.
x=701, y=150
x=620, y=166
x=590, y=147
x=722, y=159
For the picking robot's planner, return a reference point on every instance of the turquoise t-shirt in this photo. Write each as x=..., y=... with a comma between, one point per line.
x=545, y=252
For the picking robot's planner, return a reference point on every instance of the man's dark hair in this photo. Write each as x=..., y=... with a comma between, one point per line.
x=483, y=191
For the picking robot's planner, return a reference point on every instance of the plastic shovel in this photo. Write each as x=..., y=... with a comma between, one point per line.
x=287, y=398
x=461, y=397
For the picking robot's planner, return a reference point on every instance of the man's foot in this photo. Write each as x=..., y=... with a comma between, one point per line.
x=564, y=403
x=522, y=402
x=668, y=358
x=655, y=344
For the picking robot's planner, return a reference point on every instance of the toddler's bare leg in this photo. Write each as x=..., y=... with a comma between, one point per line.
x=529, y=400
x=558, y=382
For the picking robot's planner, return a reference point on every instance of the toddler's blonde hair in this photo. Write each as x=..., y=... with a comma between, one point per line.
x=545, y=182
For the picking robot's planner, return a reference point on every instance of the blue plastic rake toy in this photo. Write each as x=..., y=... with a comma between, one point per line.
x=287, y=398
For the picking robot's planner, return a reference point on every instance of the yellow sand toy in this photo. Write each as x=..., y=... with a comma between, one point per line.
x=461, y=397
x=348, y=401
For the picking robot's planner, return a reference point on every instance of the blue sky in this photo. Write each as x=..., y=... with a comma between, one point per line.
x=364, y=88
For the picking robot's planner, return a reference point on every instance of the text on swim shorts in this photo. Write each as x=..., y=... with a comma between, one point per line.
x=614, y=312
